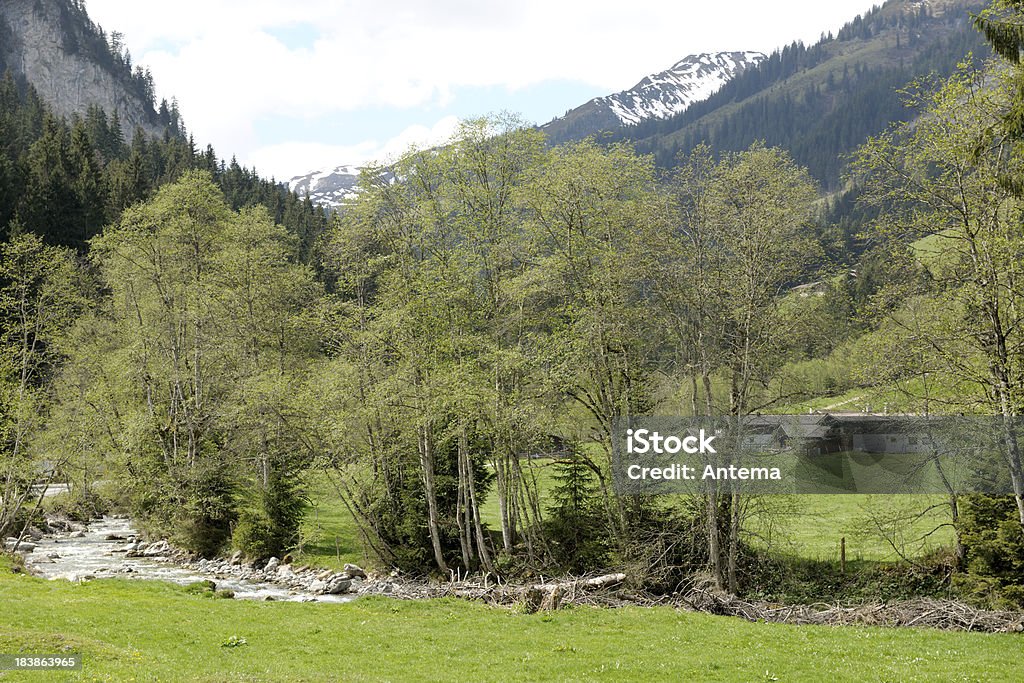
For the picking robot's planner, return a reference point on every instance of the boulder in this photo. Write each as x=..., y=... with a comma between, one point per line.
x=272, y=565
x=236, y=558
x=318, y=587
x=338, y=586
x=353, y=571
x=157, y=549
x=57, y=525
x=23, y=547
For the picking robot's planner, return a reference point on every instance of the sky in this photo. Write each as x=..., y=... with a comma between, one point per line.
x=291, y=87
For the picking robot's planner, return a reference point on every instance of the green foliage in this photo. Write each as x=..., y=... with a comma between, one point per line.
x=576, y=519
x=187, y=371
x=40, y=298
x=66, y=180
x=268, y=524
x=993, y=540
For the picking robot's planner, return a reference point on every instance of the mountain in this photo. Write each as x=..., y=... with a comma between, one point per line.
x=328, y=188
x=53, y=45
x=657, y=96
x=81, y=139
x=821, y=102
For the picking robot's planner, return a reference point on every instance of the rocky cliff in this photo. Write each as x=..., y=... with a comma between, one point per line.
x=53, y=45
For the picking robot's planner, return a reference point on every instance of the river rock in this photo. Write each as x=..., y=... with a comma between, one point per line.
x=57, y=525
x=338, y=586
x=318, y=587
x=272, y=565
x=353, y=571
x=157, y=549
x=324, y=575
x=23, y=547
x=236, y=558
x=284, y=572
x=77, y=534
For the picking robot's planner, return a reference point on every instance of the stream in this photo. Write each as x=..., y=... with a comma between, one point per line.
x=94, y=555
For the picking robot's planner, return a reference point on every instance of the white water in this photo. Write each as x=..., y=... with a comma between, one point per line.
x=92, y=556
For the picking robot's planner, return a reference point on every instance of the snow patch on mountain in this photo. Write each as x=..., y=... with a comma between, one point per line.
x=664, y=94
x=328, y=188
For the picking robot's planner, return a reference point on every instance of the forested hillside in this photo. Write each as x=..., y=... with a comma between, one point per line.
x=820, y=102
x=67, y=168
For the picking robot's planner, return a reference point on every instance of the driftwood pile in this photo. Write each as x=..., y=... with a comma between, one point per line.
x=948, y=615
x=533, y=597
x=608, y=591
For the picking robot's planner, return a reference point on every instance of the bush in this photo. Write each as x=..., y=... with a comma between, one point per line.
x=80, y=504
x=269, y=525
x=993, y=542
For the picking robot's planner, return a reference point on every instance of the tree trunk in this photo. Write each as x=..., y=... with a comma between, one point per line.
x=427, y=464
x=734, y=541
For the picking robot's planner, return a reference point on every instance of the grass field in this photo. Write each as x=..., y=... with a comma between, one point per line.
x=155, y=631
x=328, y=536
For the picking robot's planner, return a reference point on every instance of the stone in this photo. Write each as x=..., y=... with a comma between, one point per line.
x=338, y=586
x=58, y=525
x=272, y=564
x=236, y=558
x=157, y=549
x=318, y=587
x=353, y=571
x=77, y=534
x=23, y=547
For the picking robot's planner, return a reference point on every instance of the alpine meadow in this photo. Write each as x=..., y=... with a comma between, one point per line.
x=433, y=416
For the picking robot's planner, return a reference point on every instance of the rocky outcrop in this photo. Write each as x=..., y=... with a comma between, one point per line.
x=43, y=43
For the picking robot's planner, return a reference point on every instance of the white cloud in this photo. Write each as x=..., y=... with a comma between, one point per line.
x=409, y=52
x=288, y=159
x=221, y=60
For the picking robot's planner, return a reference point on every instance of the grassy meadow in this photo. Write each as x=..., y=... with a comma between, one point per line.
x=153, y=631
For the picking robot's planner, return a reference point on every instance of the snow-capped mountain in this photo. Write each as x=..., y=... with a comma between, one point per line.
x=659, y=95
x=328, y=188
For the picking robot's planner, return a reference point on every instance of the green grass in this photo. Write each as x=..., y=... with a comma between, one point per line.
x=154, y=631
x=329, y=536
x=811, y=526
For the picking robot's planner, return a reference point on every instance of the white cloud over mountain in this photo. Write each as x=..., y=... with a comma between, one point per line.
x=229, y=67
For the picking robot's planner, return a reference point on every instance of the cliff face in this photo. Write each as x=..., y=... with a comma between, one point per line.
x=45, y=42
